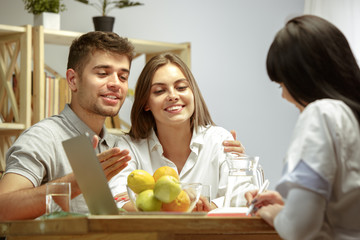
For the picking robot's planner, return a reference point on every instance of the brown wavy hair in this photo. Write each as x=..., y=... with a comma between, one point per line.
x=82, y=48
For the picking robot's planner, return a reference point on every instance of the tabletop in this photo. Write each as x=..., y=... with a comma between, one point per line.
x=134, y=227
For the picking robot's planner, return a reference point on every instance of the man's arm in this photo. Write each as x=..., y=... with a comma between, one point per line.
x=24, y=201
x=19, y=199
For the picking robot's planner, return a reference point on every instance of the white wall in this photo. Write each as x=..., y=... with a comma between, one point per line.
x=229, y=42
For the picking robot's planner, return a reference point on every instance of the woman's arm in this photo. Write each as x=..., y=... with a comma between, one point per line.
x=301, y=217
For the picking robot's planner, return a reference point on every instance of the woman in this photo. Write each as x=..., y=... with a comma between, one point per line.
x=313, y=63
x=171, y=126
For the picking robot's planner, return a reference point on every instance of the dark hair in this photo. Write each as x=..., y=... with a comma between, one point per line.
x=143, y=121
x=82, y=47
x=313, y=59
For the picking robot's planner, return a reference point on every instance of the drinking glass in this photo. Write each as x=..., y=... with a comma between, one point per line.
x=58, y=197
x=245, y=173
x=206, y=192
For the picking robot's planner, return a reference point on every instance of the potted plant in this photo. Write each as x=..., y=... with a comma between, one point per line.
x=105, y=22
x=46, y=12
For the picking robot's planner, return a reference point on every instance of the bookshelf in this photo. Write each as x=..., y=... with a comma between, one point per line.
x=22, y=54
x=15, y=84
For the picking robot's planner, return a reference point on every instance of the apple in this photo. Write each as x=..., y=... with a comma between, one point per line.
x=146, y=201
x=167, y=188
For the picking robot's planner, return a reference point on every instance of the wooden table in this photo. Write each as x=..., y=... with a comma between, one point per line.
x=136, y=227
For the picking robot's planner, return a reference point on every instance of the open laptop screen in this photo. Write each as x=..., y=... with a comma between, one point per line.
x=90, y=176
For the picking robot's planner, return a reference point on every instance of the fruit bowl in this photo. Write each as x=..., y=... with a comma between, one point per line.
x=185, y=200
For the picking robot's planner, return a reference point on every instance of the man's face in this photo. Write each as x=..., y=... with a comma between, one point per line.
x=103, y=86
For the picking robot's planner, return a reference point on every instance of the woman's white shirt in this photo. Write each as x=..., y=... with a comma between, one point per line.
x=324, y=158
x=205, y=164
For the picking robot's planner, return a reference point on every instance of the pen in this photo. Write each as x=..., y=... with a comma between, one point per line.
x=262, y=189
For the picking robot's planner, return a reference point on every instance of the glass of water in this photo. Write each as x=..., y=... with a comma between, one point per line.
x=58, y=195
x=245, y=173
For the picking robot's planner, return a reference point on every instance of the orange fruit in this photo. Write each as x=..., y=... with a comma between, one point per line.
x=140, y=180
x=180, y=204
x=164, y=171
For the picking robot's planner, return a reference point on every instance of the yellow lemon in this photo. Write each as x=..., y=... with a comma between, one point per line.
x=180, y=204
x=140, y=180
x=165, y=170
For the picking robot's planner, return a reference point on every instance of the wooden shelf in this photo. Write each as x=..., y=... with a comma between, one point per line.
x=15, y=103
x=141, y=46
x=7, y=29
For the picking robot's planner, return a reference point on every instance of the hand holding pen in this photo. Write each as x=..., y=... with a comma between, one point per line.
x=263, y=187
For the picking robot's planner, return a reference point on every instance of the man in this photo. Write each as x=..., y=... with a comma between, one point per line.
x=97, y=74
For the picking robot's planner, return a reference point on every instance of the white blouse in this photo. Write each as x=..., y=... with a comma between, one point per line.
x=324, y=158
x=206, y=163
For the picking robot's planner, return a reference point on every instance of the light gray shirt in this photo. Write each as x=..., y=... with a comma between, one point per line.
x=39, y=156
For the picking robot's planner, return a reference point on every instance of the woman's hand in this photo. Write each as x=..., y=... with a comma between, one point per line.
x=269, y=212
x=263, y=199
x=233, y=145
x=122, y=197
x=202, y=205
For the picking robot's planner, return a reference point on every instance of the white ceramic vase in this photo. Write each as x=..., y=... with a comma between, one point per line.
x=48, y=20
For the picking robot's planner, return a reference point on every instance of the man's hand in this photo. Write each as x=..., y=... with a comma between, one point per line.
x=113, y=161
x=233, y=146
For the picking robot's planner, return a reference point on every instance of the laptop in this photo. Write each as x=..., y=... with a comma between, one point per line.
x=90, y=176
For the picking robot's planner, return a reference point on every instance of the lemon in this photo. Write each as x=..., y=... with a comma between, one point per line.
x=165, y=170
x=140, y=180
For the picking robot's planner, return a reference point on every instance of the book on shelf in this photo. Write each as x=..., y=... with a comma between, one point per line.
x=57, y=94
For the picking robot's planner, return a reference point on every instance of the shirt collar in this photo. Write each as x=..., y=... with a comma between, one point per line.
x=196, y=142
x=82, y=128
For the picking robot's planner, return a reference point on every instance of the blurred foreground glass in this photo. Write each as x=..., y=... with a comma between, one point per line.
x=245, y=173
x=58, y=197
x=206, y=192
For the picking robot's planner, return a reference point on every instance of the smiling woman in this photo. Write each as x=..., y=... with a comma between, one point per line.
x=171, y=126
x=171, y=100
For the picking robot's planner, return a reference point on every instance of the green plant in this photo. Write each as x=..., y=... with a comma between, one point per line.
x=39, y=6
x=105, y=6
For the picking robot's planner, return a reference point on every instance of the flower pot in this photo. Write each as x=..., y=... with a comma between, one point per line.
x=48, y=20
x=104, y=23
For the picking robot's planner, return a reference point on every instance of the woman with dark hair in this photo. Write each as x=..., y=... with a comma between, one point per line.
x=171, y=126
x=312, y=62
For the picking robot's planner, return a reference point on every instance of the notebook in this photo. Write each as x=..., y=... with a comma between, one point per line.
x=90, y=176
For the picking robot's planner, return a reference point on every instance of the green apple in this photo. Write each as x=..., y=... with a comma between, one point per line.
x=167, y=188
x=146, y=201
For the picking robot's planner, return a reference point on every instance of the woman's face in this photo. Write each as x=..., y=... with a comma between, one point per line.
x=171, y=100
x=286, y=95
